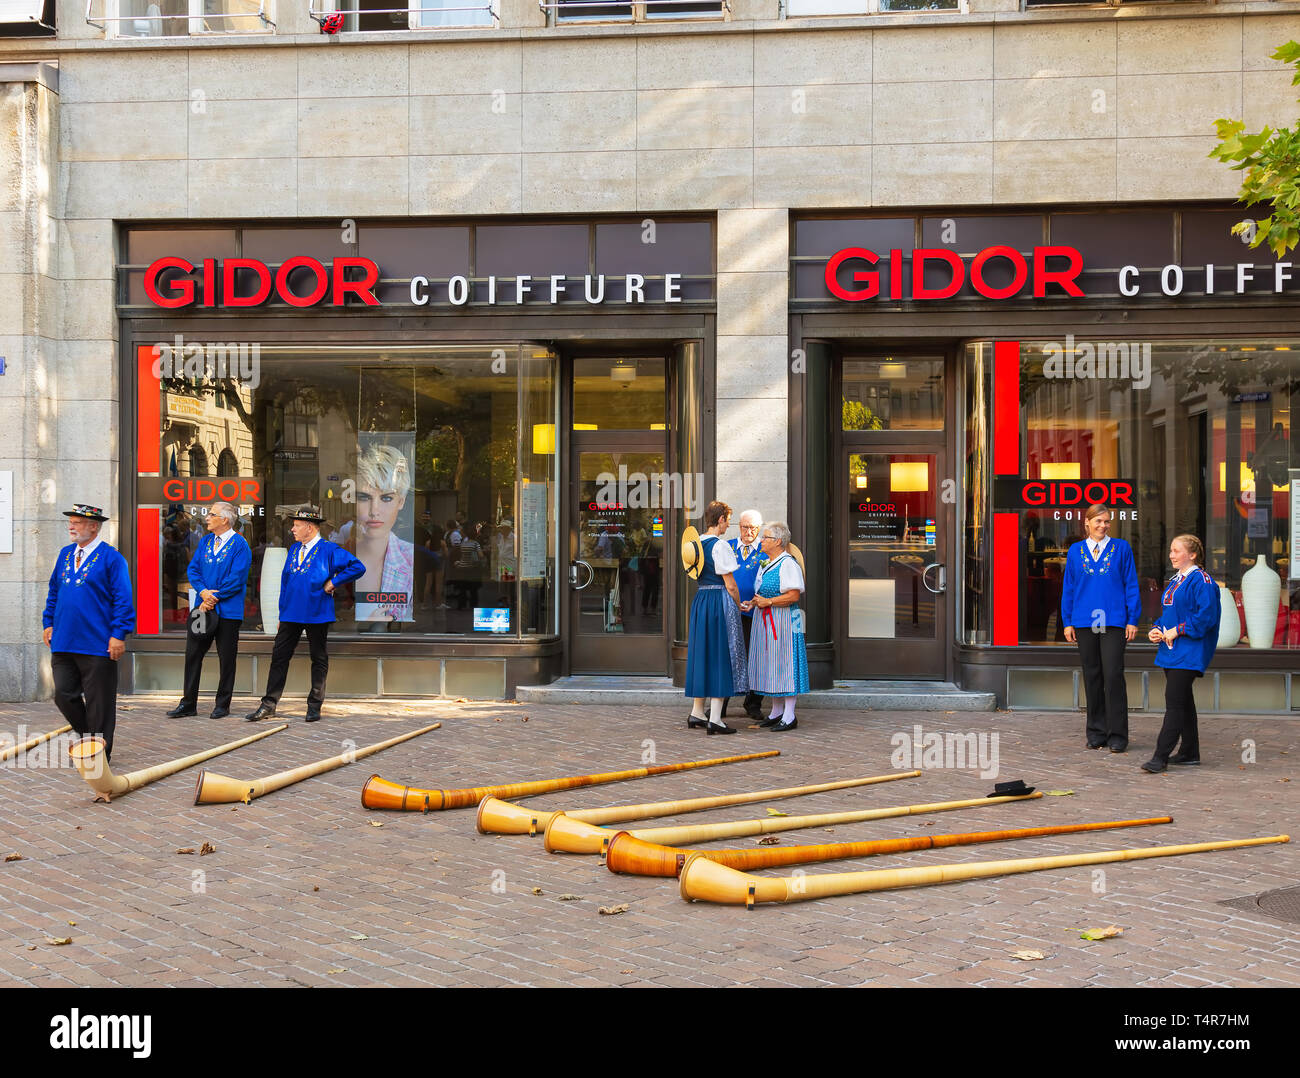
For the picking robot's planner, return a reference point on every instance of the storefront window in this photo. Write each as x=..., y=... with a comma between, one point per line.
x=893, y=393
x=414, y=457
x=1183, y=437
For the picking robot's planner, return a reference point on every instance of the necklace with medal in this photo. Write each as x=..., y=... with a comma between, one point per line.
x=71, y=574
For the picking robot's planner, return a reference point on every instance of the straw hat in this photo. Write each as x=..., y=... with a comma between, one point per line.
x=692, y=552
x=797, y=554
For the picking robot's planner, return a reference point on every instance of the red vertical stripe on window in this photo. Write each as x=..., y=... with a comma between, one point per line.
x=1006, y=579
x=1006, y=408
x=148, y=567
x=148, y=425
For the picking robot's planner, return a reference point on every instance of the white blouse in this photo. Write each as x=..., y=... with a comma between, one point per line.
x=724, y=558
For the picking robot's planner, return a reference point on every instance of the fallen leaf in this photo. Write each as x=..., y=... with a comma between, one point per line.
x=1058, y=793
x=926, y=823
x=206, y=849
x=1283, y=780
x=614, y=909
x=497, y=719
x=376, y=823
x=125, y=707
x=58, y=941
x=73, y=923
x=99, y=836
x=525, y=718
x=776, y=812
x=569, y=898
x=462, y=700
x=1101, y=933
x=625, y=971
x=316, y=888
x=13, y=857
x=359, y=936
x=186, y=849
x=1028, y=956
x=331, y=972
x=537, y=890
x=769, y=840
x=829, y=830
x=31, y=947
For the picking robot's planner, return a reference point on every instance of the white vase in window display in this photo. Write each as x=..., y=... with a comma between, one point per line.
x=273, y=559
x=1260, y=590
x=1229, y=619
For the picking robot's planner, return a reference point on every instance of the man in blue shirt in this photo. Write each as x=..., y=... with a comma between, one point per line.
x=218, y=574
x=313, y=569
x=88, y=614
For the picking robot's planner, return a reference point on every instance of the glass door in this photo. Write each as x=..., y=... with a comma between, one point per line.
x=620, y=499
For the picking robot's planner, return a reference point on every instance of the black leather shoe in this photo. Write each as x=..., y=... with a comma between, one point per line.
x=1096, y=745
x=768, y=723
x=1185, y=761
x=692, y=723
x=1153, y=767
x=219, y=712
x=264, y=711
x=781, y=727
x=181, y=710
x=313, y=714
x=1118, y=748
x=719, y=728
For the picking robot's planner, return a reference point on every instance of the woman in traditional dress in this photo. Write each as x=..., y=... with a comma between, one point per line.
x=778, y=654
x=715, y=651
x=1187, y=632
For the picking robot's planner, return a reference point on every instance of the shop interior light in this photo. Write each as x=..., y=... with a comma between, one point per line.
x=1060, y=469
x=585, y=426
x=623, y=371
x=909, y=475
x=893, y=370
x=658, y=426
x=860, y=481
x=543, y=439
x=1246, y=483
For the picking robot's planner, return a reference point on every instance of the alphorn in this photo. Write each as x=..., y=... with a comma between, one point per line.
x=381, y=794
x=9, y=751
x=564, y=835
x=703, y=880
x=632, y=856
x=88, y=755
x=497, y=817
x=220, y=790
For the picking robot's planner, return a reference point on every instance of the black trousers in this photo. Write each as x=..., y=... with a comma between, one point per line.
x=1180, y=717
x=286, y=643
x=85, y=690
x=204, y=628
x=1102, y=655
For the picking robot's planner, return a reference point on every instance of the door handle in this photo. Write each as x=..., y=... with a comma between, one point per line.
x=573, y=574
x=942, y=578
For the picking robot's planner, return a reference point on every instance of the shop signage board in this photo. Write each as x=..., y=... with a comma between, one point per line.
x=532, y=531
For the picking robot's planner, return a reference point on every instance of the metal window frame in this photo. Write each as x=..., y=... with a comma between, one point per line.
x=192, y=17
x=490, y=7
x=638, y=13
x=872, y=7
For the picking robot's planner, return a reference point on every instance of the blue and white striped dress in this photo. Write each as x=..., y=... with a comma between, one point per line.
x=778, y=654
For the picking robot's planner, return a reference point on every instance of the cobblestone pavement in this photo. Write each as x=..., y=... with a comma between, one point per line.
x=308, y=888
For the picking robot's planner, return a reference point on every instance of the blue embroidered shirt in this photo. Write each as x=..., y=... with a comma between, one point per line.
x=225, y=573
x=1191, y=605
x=302, y=587
x=89, y=606
x=746, y=576
x=1106, y=586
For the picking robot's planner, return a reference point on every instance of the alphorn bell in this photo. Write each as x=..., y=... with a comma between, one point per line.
x=220, y=790
x=564, y=835
x=9, y=751
x=88, y=755
x=707, y=881
x=497, y=817
x=633, y=857
x=381, y=794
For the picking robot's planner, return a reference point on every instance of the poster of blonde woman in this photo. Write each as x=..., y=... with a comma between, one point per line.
x=380, y=535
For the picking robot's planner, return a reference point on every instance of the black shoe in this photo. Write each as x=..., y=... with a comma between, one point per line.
x=1186, y=761
x=313, y=715
x=769, y=722
x=793, y=724
x=1153, y=767
x=181, y=710
x=756, y=713
x=1118, y=748
x=692, y=723
x=1096, y=745
x=219, y=712
x=264, y=711
x=719, y=728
